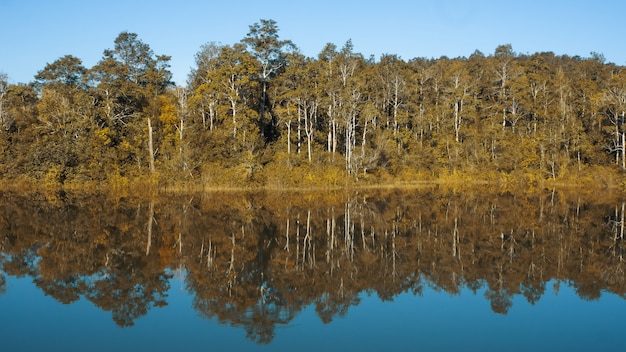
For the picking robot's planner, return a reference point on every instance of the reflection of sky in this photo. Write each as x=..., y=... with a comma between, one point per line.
x=435, y=321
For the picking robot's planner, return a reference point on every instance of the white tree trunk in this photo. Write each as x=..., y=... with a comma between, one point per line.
x=151, y=147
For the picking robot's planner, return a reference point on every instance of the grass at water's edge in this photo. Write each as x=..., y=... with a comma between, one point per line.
x=584, y=186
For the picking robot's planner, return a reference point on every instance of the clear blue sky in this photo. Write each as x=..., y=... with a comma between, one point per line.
x=36, y=32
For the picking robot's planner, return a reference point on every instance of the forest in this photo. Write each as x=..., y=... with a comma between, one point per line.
x=259, y=114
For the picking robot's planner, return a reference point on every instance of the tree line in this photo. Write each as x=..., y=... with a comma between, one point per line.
x=260, y=113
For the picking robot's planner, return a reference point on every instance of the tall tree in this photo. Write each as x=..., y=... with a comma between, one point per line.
x=63, y=105
x=64, y=114
x=203, y=101
x=128, y=75
x=615, y=102
x=231, y=82
x=67, y=70
x=263, y=42
x=128, y=80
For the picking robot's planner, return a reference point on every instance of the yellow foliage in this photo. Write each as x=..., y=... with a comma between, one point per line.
x=103, y=136
x=168, y=115
x=125, y=148
x=334, y=176
x=407, y=174
x=53, y=176
x=309, y=178
x=117, y=181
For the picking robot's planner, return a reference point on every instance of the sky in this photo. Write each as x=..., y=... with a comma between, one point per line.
x=34, y=33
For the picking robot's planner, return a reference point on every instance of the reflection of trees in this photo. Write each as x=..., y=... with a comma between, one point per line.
x=128, y=290
x=330, y=306
x=259, y=320
x=88, y=249
x=255, y=260
x=3, y=279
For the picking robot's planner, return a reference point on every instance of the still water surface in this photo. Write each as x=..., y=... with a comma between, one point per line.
x=426, y=271
x=434, y=321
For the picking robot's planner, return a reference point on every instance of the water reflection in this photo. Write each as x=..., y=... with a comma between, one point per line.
x=255, y=261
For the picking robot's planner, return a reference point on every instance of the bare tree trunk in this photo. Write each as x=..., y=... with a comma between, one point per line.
x=329, y=138
x=364, y=140
x=299, y=128
x=457, y=120
x=309, y=137
x=151, y=147
x=308, y=129
x=623, y=151
x=396, y=104
x=621, y=232
x=203, y=114
x=182, y=103
x=306, y=243
x=233, y=107
x=263, y=99
x=150, y=221
x=334, y=136
x=288, y=124
x=287, y=237
x=180, y=135
x=231, y=264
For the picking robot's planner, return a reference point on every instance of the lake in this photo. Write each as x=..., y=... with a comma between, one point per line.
x=431, y=269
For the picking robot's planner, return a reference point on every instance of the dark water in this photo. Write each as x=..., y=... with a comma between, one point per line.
x=429, y=270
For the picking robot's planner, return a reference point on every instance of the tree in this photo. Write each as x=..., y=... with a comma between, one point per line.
x=232, y=82
x=264, y=44
x=350, y=98
x=328, y=62
x=204, y=99
x=615, y=102
x=205, y=60
x=127, y=82
x=127, y=76
x=505, y=70
x=289, y=91
x=458, y=91
x=393, y=89
x=66, y=71
x=4, y=84
x=63, y=104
